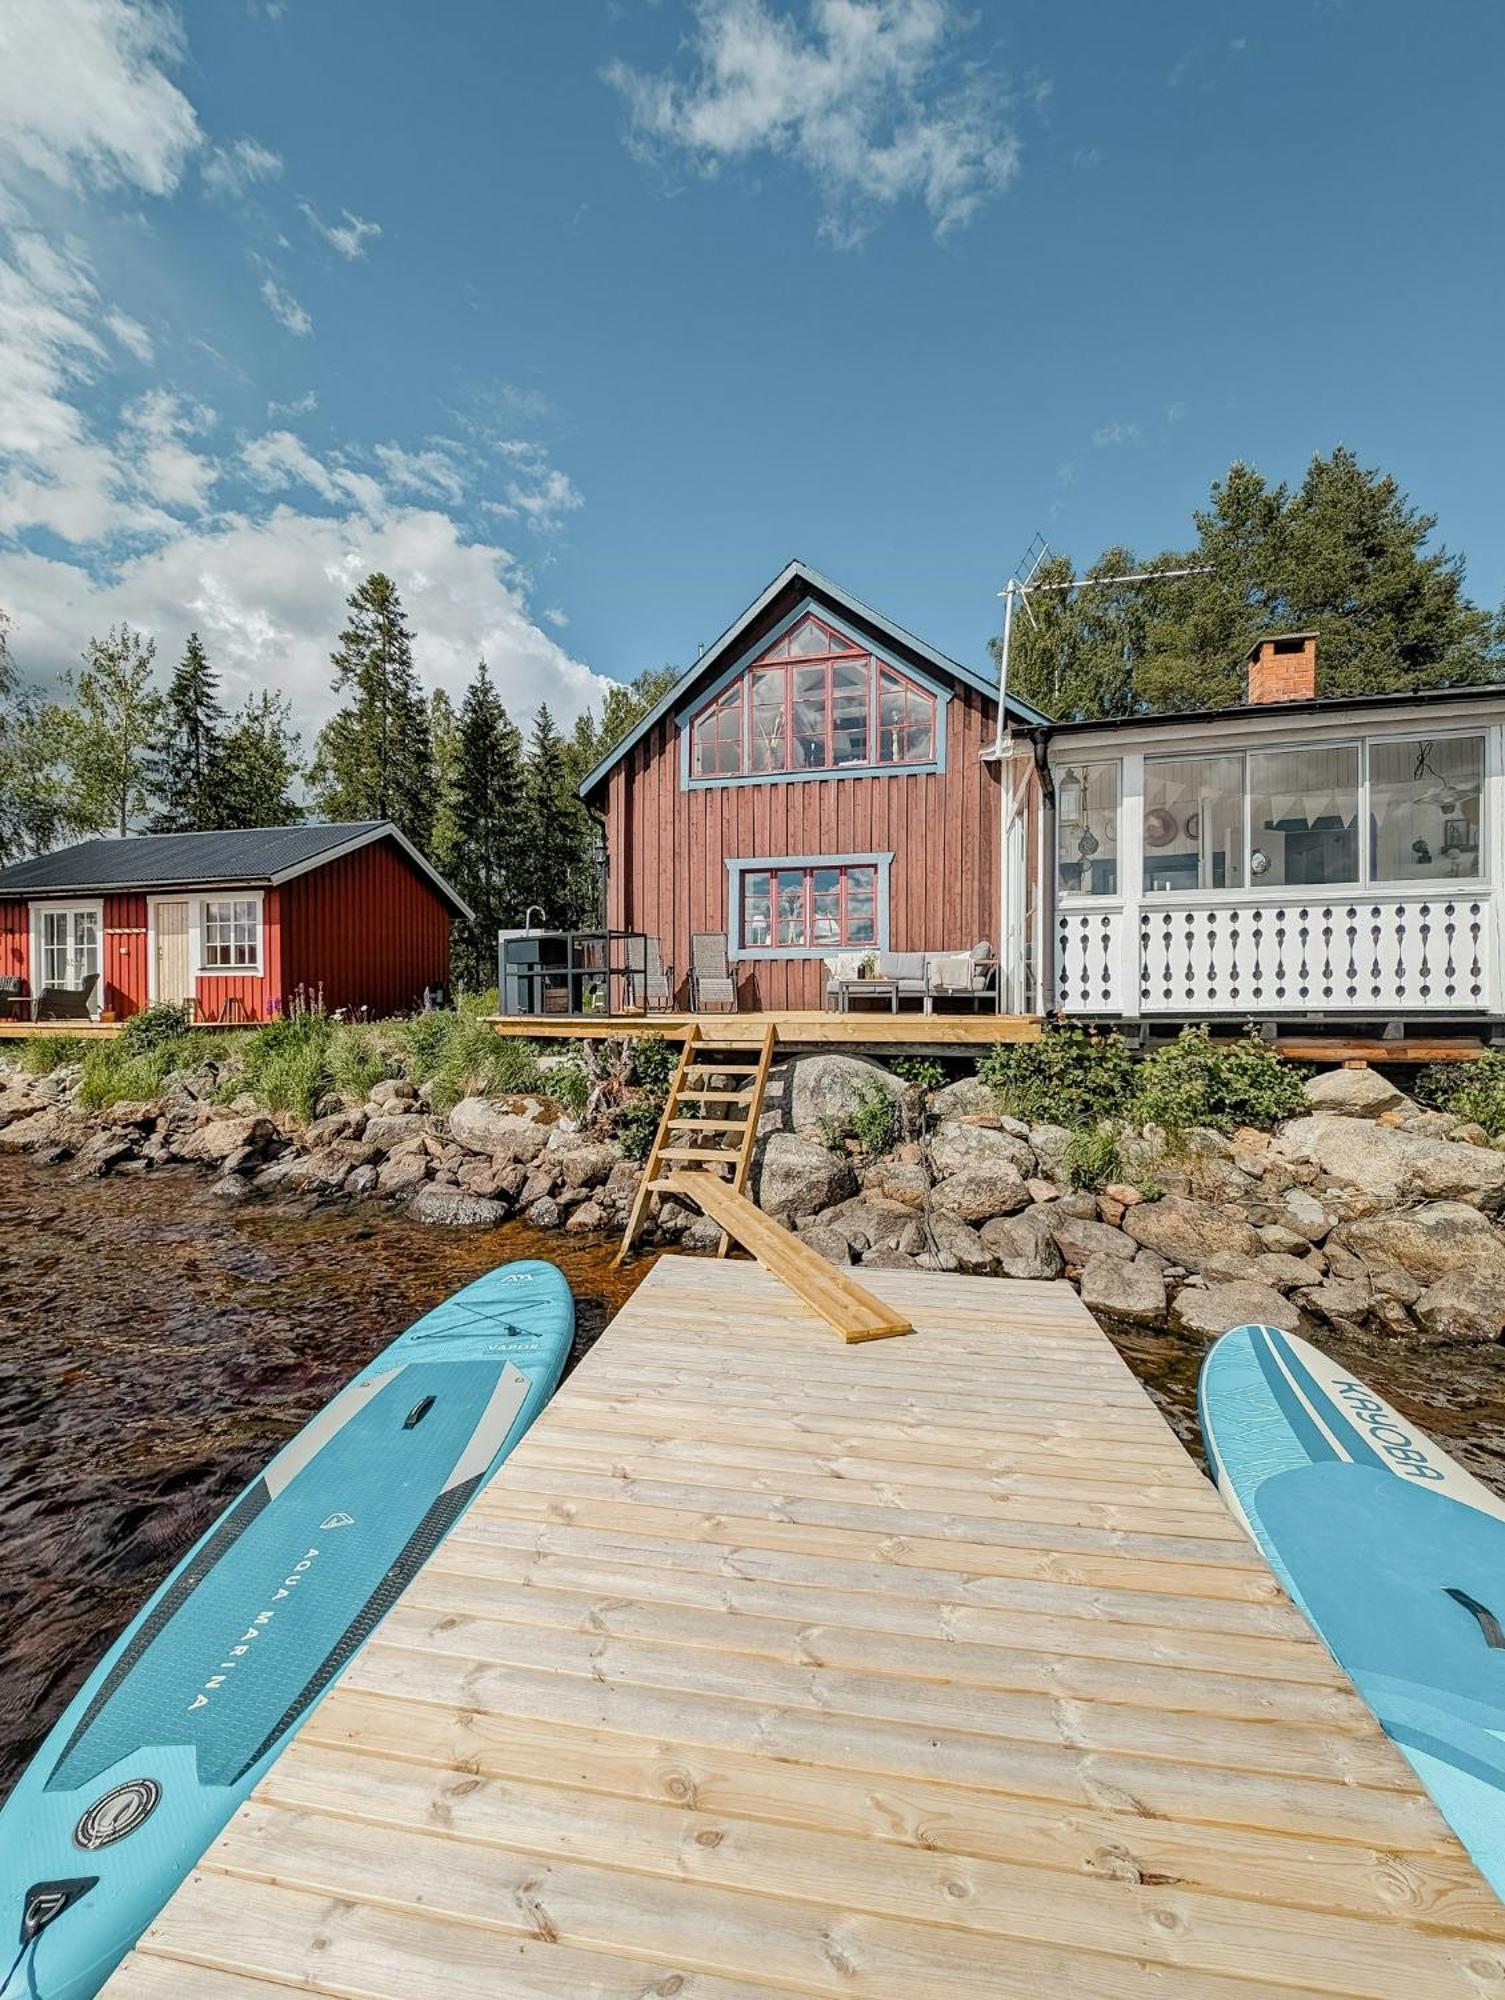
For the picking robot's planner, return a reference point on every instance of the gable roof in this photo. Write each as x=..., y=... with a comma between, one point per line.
x=248, y=857
x=840, y=600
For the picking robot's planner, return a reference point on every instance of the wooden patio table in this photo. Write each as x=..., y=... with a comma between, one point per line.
x=875, y=988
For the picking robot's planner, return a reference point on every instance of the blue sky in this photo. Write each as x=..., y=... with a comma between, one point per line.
x=582, y=316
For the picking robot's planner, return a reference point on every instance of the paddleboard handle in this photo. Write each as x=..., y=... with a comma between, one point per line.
x=1489, y=1625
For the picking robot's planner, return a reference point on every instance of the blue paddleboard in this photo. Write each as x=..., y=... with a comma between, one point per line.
x=197, y=1696
x=1394, y=1552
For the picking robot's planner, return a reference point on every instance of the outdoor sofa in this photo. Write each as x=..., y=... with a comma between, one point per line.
x=926, y=976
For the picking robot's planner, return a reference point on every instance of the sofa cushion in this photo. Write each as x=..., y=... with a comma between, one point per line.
x=842, y=965
x=950, y=971
x=902, y=965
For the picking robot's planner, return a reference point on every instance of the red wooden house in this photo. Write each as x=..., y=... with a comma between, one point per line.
x=814, y=787
x=236, y=923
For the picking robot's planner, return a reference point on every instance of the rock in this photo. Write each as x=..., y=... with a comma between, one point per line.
x=588, y=1215
x=959, y=1148
x=1379, y=1167
x=1048, y=1143
x=394, y=1128
x=882, y=1259
x=1123, y=1194
x=1082, y=1205
x=539, y=1186
x=1462, y=1306
x=544, y=1213
x=361, y=1181
x=586, y=1165
x=322, y=1172
x=832, y=1244
x=1213, y=1309
x=218, y=1138
x=1354, y=1093
x=1109, y=1212
x=1189, y=1232
x=1079, y=1240
x=829, y=1089
x=1276, y=1236
x=1039, y=1190
x=230, y=1187
x=402, y=1173
x=137, y=1117
x=624, y=1177
x=978, y=1193
x=342, y=1124
x=392, y=1092
x=105, y=1150
x=483, y=1127
x=969, y=1097
x=1337, y=1299
x=452, y=1209
x=701, y=1234
x=1303, y=1212
x=797, y=1177
x=867, y=1221
x=1397, y=1286
x=905, y=1181
x=1429, y=1242
x=486, y=1178
x=1123, y=1290
x=963, y=1247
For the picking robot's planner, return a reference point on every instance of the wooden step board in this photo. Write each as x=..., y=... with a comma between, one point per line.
x=837, y=1297
x=696, y=1109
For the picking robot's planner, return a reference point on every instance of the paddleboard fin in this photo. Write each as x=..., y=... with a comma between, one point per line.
x=1489, y=1625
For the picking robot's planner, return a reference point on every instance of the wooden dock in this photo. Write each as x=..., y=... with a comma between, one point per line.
x=925, y=1669
x=867, y=1028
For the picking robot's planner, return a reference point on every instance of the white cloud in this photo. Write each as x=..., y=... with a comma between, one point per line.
x=555, y=615
x=235, y=169
x=537, y=491
x=349, y=237
x=283, y=307
x=83, y=96
x=268, y=597
x=131, y=334
x=300, y=406
x=279, y=460
x=1115, y=433
x=432, y=471
x=870, y=97
x=1175, y=413
x=154, y=445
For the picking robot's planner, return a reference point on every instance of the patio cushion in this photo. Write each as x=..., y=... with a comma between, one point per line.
x=842, y=965
x=950, y=971
x=906, y=967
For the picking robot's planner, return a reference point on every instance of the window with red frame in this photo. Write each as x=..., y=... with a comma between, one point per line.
x=815, y=908
x=815, y=701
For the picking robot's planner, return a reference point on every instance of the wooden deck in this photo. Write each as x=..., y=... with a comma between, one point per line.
x=871, y=1028
x=928, y=1667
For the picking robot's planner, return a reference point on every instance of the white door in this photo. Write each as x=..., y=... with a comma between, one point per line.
x=173, y=968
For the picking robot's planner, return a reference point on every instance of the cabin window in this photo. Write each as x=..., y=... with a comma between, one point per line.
x=1193, y=823
x=1425, y=808
x=232, y=936
x=814, y=701
x=818, y=907
x=69, y=946
x=1087, y=829
x=1304, y=817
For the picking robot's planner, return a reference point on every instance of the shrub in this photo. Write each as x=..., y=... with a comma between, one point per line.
x=42, y=1054
x=634, y=1126
x=654, y=1062
x=113, y=1075
x=928, y=1074
x=568, y=1084
x=1472, y=1090
x=461, y=1055
x=166, y=1022
x=354, y=1059
x=875, y=1120
x=1092, y=1158
x=287, y=1063
x=1197, y=1081
x=1070, y=1076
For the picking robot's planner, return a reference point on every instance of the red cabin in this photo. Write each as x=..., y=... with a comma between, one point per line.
x=241, y=925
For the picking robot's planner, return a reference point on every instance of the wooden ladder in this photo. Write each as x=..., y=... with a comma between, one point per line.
x=710, y=1122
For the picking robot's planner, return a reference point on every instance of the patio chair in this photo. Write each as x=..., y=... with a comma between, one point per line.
x=711, y=982
x=12, y=996
x=658, y=979
x=65, y=1003
x=961, y=975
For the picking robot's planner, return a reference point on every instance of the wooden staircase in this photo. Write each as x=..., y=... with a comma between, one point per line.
x=710, y=1122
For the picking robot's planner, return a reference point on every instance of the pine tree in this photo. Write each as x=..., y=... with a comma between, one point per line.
x=191, y=744
x=114, y=732
x=444, y=739
x=256, y=767
x=557, y=831
x=486, y=856
x=374, y=759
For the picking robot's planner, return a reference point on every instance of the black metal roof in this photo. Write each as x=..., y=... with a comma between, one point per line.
x=1318, y=705
x=250, y=857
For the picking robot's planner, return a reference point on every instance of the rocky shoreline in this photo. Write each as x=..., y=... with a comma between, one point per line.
x=1367, y=1215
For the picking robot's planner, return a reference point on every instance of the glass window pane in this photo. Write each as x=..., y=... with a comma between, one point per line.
x=1304, y=817
x=1425, y=808
x=791, y=906
x=1194, y=823
x=1087, y=829
x=808, y=637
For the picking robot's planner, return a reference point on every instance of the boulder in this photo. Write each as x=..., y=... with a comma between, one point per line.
x=1379, y=1167
x=1048, y=1143
x=1023, y=1246
x=218, y=1138
x=1213, y=1309
x=825, y=1089
x=905, y=1181
x=342, y=1124
x=700, y=1233
x=868, y=1220
x=582, y=1166
x=485, y=1177
x=105, y=1150
x=1337, y=1299
x=1429, y=1242
x=1302, y=1212
x=483, y=1127
x=1080, y=1240
x=543, y=1213
x=1290, y=1242
x=361, y=1181
x=36, y=1128
x=832, y=1244
x=969, y=1097
x=1353, y=1093
x=959, y=1148
x=230, y=1187
x=453, y=1209
x=961, y=1246
x=588, y=1215
x=402, y=1173
x=1190, y=1232
x=393, y=1128
x=1270, y=1267
x=539, y=1186
x=392, y=1093
x=797, y=1176
x=1462, y=1306
x=1121, y=1290
x=133, y=1117
x=978, y=1193
x=322, y=1172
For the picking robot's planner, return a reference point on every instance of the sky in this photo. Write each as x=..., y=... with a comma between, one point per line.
x=582, y=317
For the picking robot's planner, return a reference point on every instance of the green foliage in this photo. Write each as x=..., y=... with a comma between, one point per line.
x=923, y=1070
x=152, y=1027
x=1070, y=1076
x=876, y=1119
x=286, y=1063
x=1344, y=554
x=113, y=730
x=634, y=1125
x=568, y=1083
x=483, y=835
x=113, y=1075
x=1091, y=1159
x=1471, y=1090
x=354, y=1058
x=374, y=758
x=1197, y=1081
x=256, y=767
x=42, y=1054
x=654, y=1062
x=461, y=1055
x=193, y=719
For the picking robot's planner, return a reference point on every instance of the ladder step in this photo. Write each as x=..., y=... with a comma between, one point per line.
x=707, y=1124
x=714, y=1097
x=702, y=1070
x=700, y=1154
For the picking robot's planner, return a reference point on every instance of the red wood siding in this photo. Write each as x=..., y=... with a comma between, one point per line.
x=123, y=954
x=15, y=940
x=668, y=849
x=255, y=996
x=368, y=929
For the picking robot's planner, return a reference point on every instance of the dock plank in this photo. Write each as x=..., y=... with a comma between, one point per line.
x=772, y=1667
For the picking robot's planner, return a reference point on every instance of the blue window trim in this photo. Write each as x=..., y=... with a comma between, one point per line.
x=686, y=714
x=757, y=864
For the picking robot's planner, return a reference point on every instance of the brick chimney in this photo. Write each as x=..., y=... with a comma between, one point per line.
x=1283, y=668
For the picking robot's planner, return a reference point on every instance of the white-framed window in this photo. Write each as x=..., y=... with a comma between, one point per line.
x=1087, y=829
x=230, y=934
x=68, y=945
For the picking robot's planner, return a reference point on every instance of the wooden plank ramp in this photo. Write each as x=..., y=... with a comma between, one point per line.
x=770, y=1666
